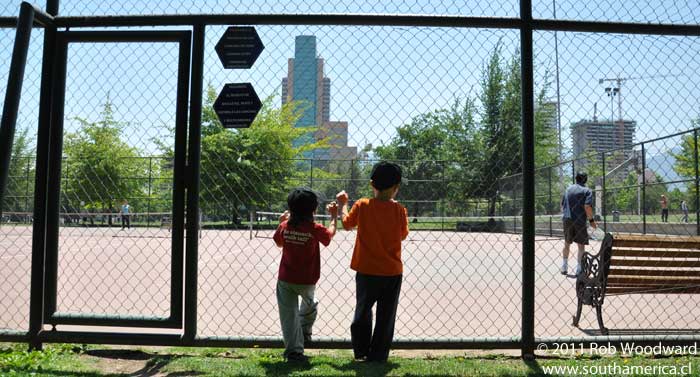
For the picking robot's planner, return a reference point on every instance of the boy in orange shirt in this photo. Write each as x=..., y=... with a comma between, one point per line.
x=382, y=223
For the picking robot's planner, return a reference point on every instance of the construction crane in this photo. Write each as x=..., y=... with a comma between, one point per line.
x=617, y=91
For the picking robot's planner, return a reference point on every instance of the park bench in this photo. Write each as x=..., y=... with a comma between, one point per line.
x=637, y=264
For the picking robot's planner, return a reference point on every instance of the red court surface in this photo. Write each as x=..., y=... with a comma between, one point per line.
x=456, y=285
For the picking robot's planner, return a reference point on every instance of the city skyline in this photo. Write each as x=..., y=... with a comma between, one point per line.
x=384, y=76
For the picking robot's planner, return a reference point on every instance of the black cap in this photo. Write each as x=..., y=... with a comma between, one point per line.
x=385, y=174
x=302, y=201
x=581, y=177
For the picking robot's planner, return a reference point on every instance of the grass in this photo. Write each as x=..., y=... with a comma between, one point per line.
x=84, y=361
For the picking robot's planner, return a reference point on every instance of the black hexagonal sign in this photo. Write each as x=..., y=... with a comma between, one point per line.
x=237, y=105
x=239, y=47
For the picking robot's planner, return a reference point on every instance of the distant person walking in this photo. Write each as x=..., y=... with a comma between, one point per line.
x=664, y=209
x=577, y=209
x=126, y=221
x=684, y=209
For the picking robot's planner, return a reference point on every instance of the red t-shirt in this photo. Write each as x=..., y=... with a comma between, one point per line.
x=301, y=255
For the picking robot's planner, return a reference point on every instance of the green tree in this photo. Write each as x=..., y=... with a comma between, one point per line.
x=464, y=148
x=546, y=144
x=19, y=193
x=653, y=192
x=419, y=147
x=501, y=98
x=685, y=164
x=625, y=197
x=100, y=169
x=496, y=157
x=250, y=168
x=477, y=146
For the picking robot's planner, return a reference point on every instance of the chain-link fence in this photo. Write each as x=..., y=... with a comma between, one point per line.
x=663, y=200
x=444, y=102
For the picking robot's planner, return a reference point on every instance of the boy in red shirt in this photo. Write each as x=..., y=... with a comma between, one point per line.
x=382, y=223
x=299, y=237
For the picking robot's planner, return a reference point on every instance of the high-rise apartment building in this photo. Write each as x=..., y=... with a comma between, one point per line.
x=604, y=136
x=307, y=83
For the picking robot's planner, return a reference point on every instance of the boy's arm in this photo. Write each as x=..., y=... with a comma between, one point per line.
x=348, y=217
x=279, y=240
x=332, y=209
x=279, y=237
x=333, y=226
x=404, y=227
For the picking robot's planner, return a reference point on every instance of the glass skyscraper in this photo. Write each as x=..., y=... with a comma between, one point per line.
x=306, y=83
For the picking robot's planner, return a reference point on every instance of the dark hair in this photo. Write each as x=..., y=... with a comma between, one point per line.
x=385, y=174
x=302, y=203
x=581, y=178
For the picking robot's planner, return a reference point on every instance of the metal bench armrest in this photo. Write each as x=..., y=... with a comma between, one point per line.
x=591, y=281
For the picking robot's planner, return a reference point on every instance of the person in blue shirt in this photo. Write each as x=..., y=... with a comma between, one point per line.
x=126, y=221
x=577, y=210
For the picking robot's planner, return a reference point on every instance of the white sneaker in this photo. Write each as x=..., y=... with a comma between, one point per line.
x=563, y=269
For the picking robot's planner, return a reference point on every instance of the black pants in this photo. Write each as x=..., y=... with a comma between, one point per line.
x=384, y=290
x=126, y=221
x=664, y=215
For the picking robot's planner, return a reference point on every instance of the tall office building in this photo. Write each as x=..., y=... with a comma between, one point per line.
x=307, y=83
x=549, y=109
x=604, y=136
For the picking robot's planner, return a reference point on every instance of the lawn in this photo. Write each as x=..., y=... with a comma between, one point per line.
x=84, y=361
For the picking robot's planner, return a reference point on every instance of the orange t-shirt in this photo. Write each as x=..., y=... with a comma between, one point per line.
x=381, y=226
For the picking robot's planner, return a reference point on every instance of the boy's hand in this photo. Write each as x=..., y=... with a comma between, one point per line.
x=342, y=198
x=332, y=209
x=284, y=217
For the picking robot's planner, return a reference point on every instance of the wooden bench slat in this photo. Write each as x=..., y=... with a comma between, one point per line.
x=656, y=272
x=655, y=241
x=680, y=281
x=649, y=290
x=653, y=263
x=655, y=253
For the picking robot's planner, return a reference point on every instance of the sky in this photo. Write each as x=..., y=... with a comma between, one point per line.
x=381, y=77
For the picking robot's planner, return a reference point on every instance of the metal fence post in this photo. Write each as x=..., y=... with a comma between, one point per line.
x=13, y=93
x=58, y=94
x=26, y=186
x=528, y=137
x=550, y=205
x=602, y=205
x=442, y=202
x=697, y=192
x=194, y=155
x=150, y=183
x=644, y=191
x=36, y=299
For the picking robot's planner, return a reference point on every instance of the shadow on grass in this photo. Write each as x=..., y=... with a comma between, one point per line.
x=51, y=372
x=283, y=368
x=534, y=368
x=369, y=368
x=154, y=365
x=120, y=354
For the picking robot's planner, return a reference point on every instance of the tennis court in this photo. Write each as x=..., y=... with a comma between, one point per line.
x=456, y=284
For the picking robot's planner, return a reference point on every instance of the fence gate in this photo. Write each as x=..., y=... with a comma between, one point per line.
x=97, y=270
